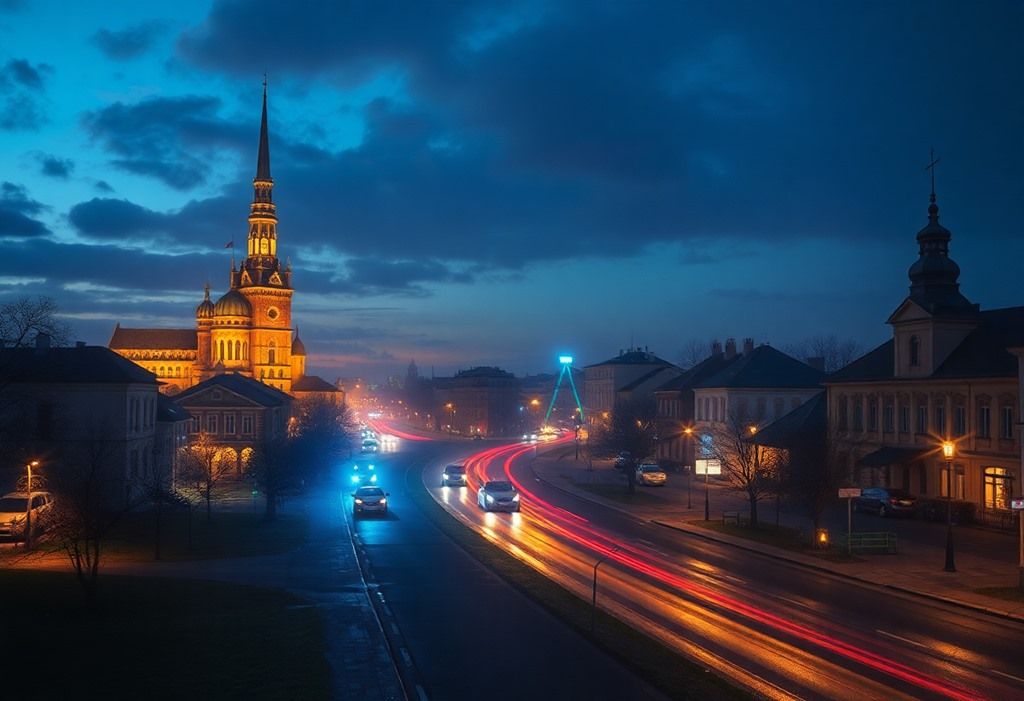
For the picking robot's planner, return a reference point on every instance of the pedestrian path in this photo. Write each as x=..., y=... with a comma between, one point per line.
x=984, y=559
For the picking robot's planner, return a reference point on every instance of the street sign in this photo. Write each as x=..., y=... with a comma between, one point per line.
x=708, y=467
x=1017, y=504
x=847, y=492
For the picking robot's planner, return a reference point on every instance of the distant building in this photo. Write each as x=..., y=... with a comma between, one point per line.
x=238, y=413
x=248, y=330
x=633, y=374
x=482, y=400
x=83, y=403
x=949, y=373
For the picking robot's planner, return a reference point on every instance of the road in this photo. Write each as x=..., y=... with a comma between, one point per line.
x=469, y=634
x=781, y=631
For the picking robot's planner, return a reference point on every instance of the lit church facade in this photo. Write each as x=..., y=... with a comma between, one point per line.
x=248, y=330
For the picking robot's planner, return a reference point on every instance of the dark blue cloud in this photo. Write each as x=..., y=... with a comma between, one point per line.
x=170, y=139
x=15, y=208
x=22, y=98
x=54, y=166
x=128, y=43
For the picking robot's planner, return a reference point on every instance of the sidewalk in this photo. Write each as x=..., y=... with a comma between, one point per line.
x=984, y=558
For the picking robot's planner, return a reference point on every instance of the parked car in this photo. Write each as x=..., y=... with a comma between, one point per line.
x=454, y=476
x=370, y=445
x=498, y=495
x=369, y=499
x=623, y=460
x=651, y=474
x=364, y=473
x=13, y=510
x=886, y=502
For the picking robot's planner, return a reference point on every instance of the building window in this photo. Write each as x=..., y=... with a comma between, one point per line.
x=904, y=419
x=872, y=415
x=272, y=354
x=887, y=418
x=940, y=420
x=984, y=420
x=922, y=419
x=779, y=407
x=959, y=421
x=229, y=424
x=211, y=424
x=858, y=415
x=998, y=488
x=842, y=414
x=958, y=482
x=247, y=424
x=194, y=425
x=915, y=350
x=1007, y=429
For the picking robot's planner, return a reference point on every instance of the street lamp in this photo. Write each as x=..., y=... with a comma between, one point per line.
x=28, y=505
x=688, y=432
x=947, y=451
x=593, y=602
x=451, y=416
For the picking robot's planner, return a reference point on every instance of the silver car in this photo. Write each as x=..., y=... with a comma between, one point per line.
x=454, y=476
x=369, y=500
x=498, y=495
x=651, y=474
x=13, y=508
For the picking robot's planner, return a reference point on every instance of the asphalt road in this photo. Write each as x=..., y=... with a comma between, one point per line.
x=470, y=635
x=783, y=631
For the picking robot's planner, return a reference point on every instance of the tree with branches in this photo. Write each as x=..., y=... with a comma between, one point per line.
x=748, y=468
x=320, y=436
x=204, y=470
x=22, y=319
x=274, y=473
x=633, y=428
x=814, y=467
x=837, y=353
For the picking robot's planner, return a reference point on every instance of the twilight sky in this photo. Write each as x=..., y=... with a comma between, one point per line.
x=493, y=183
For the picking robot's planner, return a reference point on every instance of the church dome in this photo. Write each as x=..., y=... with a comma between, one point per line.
x=298, y=347
x=233, y=303
x=205, y=308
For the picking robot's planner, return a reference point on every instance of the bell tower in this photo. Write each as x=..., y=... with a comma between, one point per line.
x=263, y=281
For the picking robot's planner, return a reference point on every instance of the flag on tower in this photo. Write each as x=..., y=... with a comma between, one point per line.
x=229, y=244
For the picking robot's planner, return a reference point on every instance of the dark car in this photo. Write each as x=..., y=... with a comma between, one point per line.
x=886, y=502
x=454, y=476
x=623, y=460
x=369, y=500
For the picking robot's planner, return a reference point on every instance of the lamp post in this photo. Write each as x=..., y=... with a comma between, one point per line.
x=707, y=502
x=688, y=432
x=593, y=601
x=451, y=416
x=947, y=451
x=28, y=505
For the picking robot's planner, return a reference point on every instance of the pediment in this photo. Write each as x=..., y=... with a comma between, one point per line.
x=275, y=279
x=908, y=311
x=246, y=279
x=217, y=396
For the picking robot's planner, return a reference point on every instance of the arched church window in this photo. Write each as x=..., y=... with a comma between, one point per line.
x=177, y=371
x=220, y=350
x=264, y=247
x=280, y=373
x=238, y=350
x=915, y=350
x=245, y=350
x=272, y=354
x=163, y=370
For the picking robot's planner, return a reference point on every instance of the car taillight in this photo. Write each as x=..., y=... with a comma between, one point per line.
x=893, y=500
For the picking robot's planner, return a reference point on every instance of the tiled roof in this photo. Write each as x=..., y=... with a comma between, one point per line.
x=153, y=339
x=312, y=383
x=701, y=371
x=79, y=365
x=764, y=367
x=646, y=377
x=168, y=411
x=807, y=421
x=633, y=357
x=981, y=354
x=251, y=389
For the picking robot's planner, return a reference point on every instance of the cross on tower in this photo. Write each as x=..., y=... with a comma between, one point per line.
x=931, y=167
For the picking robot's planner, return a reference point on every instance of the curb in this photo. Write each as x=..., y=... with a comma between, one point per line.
x=1007, y=615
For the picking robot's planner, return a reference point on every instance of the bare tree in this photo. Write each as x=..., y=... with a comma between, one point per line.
x=322, y=434
x=812, y=470
x=836, y=353
x=23, y=318
x=86, y=507
x=693, y=353
x=204, y=470
x=632, y=428
x=274, y=472
x=748, y=467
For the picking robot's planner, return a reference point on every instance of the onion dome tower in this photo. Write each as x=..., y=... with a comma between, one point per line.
x=298, y=357
x=934, y=276
x=204, y=322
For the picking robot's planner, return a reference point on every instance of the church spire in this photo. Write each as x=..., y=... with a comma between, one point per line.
x=263, y=157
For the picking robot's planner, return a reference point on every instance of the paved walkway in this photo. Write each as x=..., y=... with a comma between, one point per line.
x=984, y=558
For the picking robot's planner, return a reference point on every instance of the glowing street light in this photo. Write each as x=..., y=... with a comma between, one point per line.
x=948, y=451
x=28, y=505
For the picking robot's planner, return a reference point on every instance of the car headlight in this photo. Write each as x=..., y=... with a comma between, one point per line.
x=373, y=478
x=371, y=467
x=383, y=501
x=359, y=501
x=489, y=498
x=515, y=497
x=355, y=478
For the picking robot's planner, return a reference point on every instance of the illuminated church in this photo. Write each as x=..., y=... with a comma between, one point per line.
x=249, y=329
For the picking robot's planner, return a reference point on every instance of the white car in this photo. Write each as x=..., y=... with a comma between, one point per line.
x=650, y=473
x=498, y=495
x=369, y=499
x=12, y=513
x=454, y=476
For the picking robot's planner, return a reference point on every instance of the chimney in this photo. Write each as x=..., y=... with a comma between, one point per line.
x=730, y=348
x=42, y=341
x=817, y=362
x=748, y=346
x=716, y=348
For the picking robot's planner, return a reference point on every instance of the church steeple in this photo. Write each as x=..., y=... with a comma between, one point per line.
x=261, y=266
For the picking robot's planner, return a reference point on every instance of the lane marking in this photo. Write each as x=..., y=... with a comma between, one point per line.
x=794, y=602
x=902, y=639
x=1008, y=676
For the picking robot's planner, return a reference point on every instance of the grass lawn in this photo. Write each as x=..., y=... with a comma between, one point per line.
x=676, y=676
x=151, y=638
x=617, y=492
x=779, y=537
